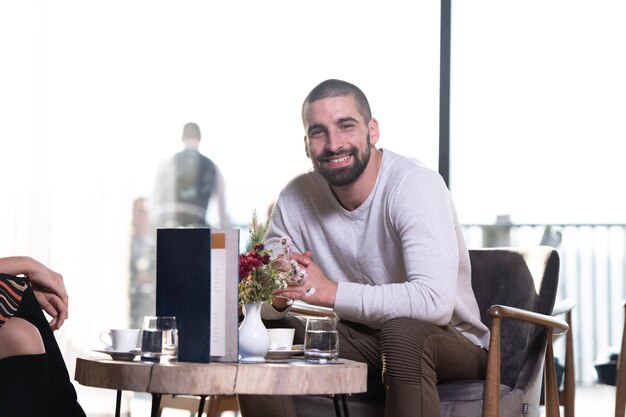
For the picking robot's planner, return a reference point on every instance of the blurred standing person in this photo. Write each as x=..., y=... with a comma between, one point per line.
x=187, y=183
x=142, y=265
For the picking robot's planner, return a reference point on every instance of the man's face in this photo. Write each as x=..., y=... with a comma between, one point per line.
x=338, y=141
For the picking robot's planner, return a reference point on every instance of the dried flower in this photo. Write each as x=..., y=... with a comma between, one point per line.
x=260, y=273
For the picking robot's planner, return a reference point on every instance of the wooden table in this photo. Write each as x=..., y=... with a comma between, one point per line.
x=272, y=378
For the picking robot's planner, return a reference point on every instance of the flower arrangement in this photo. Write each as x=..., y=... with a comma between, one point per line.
x=261, y=273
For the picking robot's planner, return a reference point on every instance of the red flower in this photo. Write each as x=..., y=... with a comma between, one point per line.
x=254, y=259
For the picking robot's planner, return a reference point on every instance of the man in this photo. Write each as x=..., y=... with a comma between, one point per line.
x=379, y=237
x=186, y=184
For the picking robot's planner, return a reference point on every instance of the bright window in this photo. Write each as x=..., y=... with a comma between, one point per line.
x=538, y=97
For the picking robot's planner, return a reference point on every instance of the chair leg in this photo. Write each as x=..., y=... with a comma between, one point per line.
x=551, y=392
x=491, y=395
x=620, y=389
x=569, y=378
x=213, y=405
x=220, y=403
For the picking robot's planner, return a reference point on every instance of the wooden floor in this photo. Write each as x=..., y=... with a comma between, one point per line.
x=595, y=401
x=591, y=401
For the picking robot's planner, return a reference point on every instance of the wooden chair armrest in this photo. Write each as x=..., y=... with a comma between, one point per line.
x=491, y=396
x=565, y=305
x=555, y=324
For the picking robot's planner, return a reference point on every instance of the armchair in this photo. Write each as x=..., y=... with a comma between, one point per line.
x=516, y=290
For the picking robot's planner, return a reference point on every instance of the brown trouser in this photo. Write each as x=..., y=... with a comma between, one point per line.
x=406, y=359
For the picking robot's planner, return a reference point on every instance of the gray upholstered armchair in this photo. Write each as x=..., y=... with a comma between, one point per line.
x=516, y=290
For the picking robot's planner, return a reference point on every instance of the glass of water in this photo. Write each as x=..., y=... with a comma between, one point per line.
x=159, y=339
x=321, y=340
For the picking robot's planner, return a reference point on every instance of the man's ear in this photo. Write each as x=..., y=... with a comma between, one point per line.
x=374, y=131
x=306, y=148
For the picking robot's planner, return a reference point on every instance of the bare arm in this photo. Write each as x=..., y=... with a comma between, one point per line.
x=47, y=284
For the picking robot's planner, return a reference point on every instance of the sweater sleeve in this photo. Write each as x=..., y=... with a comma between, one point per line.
x=11, y=292
x=421, y=217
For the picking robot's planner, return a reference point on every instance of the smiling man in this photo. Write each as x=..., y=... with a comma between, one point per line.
x=379, y=237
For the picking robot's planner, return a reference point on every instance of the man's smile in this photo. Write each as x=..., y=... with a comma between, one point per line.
x=336, y=161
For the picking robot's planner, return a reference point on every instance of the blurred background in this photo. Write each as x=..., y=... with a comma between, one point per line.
x=93, y=95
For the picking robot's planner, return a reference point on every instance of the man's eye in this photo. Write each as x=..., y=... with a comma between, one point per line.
x=345, y=126
x=316, y=133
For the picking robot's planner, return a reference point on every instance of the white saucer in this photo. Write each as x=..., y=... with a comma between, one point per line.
x=284, y=354
x=120, y=356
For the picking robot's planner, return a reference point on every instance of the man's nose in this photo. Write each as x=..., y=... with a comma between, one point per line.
x=333, y=141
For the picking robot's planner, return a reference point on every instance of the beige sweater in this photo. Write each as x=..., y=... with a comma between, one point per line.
x=400, y=254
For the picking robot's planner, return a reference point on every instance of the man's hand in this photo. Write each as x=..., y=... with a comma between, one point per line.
x=318, y=289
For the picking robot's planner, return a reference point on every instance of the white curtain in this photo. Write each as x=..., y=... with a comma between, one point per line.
x=93, y=94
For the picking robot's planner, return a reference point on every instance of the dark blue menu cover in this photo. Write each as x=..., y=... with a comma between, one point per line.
x=184, y=288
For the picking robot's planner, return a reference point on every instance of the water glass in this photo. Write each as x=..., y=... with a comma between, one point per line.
x=321, y=340
x=159, y=339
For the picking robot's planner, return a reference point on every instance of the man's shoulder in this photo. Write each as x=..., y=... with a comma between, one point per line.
x=304, y=180
x=302, y=185
x=402, y=165
x=201, y=159
x=207, y=161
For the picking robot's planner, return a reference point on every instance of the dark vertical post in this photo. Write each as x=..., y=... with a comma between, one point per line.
x=444, y=91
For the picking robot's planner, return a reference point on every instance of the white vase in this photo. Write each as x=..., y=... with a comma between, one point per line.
x=254, y=342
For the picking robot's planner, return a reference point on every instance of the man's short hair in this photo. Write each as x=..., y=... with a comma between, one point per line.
x=339, y=88
x=191, y=131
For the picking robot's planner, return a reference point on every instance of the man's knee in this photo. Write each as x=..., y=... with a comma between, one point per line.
x=406, y=331
x=405, y=352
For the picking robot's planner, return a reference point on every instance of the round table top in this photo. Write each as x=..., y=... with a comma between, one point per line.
x=270, y=378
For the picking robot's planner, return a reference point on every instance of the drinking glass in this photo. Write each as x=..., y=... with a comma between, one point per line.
x=321, y=340
x=159, y=339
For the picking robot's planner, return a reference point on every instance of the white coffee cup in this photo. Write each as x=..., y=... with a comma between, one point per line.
x=121, y=340
x=281, y=339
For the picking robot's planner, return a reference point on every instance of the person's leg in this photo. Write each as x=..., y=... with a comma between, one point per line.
x=25, y=384
x=62, y=393
x=416, y=356
x=19, y=337
x=361, y=343
x=356, y=342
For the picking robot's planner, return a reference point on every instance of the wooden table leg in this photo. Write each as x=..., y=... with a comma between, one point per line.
x=118, y=403
x=156, y=404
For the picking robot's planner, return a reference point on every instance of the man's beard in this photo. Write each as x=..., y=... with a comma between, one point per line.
x=344, y=176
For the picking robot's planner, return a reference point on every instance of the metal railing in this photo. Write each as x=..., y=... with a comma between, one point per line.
x=593, y=270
